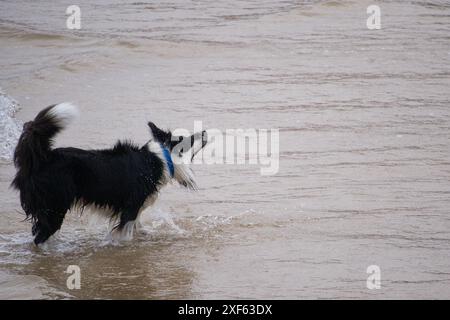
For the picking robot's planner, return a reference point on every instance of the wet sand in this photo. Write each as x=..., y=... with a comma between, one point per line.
x=364, y=124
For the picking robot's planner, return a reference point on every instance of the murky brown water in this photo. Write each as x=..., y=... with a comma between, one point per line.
x=364, y=119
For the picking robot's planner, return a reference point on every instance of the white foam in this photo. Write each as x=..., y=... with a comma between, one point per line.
x=10, y=127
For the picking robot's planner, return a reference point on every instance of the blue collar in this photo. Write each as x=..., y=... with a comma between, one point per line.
x=168, y=158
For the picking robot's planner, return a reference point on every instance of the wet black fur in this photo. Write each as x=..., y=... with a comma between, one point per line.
x=51, y=181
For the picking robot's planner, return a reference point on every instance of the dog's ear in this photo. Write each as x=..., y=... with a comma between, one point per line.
x=158, y=134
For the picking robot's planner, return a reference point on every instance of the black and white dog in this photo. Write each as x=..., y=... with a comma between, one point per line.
x=121, y=181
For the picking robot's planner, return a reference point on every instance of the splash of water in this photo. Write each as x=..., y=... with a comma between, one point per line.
x=10, y=127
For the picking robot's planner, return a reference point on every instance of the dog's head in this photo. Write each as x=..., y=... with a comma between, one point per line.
x=182, y=150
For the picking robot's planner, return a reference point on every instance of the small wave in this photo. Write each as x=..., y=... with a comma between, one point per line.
x=10, y=127
x=16, y=286
x=87, y=233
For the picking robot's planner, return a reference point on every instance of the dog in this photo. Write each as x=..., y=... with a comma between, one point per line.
x=120, y=182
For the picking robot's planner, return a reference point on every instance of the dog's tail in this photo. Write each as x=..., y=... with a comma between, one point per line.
x=37, y=136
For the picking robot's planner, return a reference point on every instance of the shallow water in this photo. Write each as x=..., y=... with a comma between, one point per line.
x=364, y=124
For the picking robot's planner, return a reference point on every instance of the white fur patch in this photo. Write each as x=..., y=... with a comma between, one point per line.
x=155, y=147
x=64, y=112
x=184, y=175
x=126, y=234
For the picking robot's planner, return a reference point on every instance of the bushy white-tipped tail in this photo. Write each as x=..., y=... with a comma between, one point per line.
x=65, y=113
x=36, y=139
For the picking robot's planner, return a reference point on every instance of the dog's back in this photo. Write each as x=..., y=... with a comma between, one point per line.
x=115, y=179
